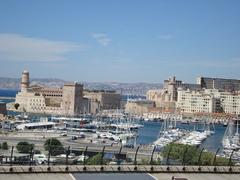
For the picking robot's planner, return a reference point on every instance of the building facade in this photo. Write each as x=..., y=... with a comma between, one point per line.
x=67, y=100
x=70, y=100
x=99, y=100
x=195, y=101
x=229, y=102
x=138, y=107
x=165, y=98
x=229, y=85
x=208, y=101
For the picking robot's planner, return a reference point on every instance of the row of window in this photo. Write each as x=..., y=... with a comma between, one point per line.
x=36, y=100
x=53, y=95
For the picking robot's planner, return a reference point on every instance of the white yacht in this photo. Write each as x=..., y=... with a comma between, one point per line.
x=168, y=134
x=231, y=138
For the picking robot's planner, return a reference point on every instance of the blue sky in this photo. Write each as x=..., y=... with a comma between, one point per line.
x=123, y=41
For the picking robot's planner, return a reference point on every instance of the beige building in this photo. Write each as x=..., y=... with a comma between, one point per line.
x=209, y=95
x=208, y=101
x=164, y=98
x=71, y=99
x=229, y=102
x=67, y=100
x=101, y=100
x=138, y=107
x=195, y=101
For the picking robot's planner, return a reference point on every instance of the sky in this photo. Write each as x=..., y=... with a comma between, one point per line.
x=120, y=41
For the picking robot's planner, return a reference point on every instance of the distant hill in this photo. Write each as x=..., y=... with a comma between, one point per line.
x=14, y=83
x=124, y=88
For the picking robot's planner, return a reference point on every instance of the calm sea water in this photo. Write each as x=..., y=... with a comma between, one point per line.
x=8, y=93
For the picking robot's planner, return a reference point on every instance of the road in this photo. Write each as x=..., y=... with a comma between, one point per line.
x=117, y=176
x=144, y=152
x=76, y=176
x=110, y=176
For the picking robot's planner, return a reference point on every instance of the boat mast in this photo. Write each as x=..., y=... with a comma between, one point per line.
x=237, y=128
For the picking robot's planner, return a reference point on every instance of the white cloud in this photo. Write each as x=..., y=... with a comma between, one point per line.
x=102, y=39
x=16, y=47
x=165, y=37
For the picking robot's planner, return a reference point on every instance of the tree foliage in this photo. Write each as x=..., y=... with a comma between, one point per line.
x=192, y=154
x=24, y=147
x=54, y=146
x=95, y=160
x=16, y=105
x=5, y=146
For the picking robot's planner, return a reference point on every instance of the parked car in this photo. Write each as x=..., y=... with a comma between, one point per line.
x=81, y=158
x=40, y=158
x=129, y=146
x=81, y=135
x=74, y=137
x=63, y=134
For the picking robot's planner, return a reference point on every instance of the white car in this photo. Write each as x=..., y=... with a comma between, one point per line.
x=40, y=158
x=63, y=134
x=71, y=155
x=81, y=158
x=112, y=163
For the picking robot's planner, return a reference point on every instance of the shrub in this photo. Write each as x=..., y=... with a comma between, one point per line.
x=24, y=147
x=54, y=146
x=5, y=146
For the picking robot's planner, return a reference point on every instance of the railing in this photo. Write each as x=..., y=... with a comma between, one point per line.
x=117, y=169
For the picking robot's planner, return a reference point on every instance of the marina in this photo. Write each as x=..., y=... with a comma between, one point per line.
x=145, y=132
x=116, y=129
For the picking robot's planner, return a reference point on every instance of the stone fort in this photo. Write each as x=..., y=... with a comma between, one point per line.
x=70, y=100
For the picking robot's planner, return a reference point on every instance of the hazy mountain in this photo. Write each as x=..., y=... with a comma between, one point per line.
x=124, y=88
x=14, y=83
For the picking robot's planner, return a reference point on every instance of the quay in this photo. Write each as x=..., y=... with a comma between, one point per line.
x=7, y=98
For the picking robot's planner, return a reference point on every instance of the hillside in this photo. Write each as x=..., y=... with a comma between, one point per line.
x=124, y=88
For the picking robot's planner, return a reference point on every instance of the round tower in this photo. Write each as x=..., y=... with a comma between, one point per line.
x=25, y=80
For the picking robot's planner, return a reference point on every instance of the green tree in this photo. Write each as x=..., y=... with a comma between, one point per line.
x=144, y=161
x=24, y=147
x=54, y=145
x=207, y=158
x=95, y=160
x=156, y=162
x=16, y=105
x=178, y=150
x=5, y=146
x=221, y=161
x=192, y=155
